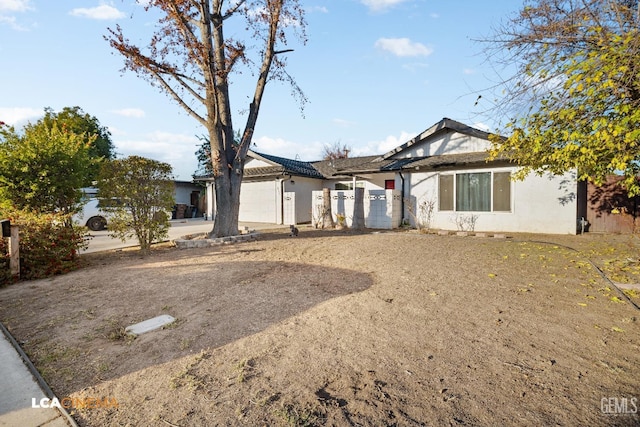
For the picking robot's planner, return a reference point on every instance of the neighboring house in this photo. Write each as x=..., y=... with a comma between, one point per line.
x=189, y=202
x=443, y=170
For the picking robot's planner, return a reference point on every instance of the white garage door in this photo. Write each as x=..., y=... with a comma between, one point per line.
x=258, y=202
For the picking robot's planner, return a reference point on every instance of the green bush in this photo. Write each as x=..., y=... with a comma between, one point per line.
x=48, y=245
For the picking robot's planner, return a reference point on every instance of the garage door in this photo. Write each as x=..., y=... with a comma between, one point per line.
x=258, y=202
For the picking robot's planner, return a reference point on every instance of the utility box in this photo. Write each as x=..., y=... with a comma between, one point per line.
x=6, y=227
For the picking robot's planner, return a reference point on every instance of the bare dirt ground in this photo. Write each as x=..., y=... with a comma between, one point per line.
x=336, y=328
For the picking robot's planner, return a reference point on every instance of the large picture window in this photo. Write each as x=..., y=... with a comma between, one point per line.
x=475, y=192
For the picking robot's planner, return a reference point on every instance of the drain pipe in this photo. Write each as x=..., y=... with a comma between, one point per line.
x=401, y=198
x=282, y=180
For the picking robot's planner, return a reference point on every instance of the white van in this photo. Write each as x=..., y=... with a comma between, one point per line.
x=92, y=216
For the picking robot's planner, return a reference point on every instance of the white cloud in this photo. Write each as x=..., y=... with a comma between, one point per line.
x=383, y=146
x=403, y=47
x=176, y=149
x=12, y=22
x=469, y=71
x=291, y=150
x=379, y=5
x=102, y=12
x=434, y=15
x=136, y=113
x=15, y=5
x=14, y=116
x=482, y=126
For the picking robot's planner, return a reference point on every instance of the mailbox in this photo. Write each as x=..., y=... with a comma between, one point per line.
x=6, y=227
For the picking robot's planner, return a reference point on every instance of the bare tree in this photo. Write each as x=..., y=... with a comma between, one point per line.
x=335, y=151
x=531, y=49
x=573, y=103
x=190, y=58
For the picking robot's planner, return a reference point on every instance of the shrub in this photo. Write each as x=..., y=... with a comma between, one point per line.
x=48, y=245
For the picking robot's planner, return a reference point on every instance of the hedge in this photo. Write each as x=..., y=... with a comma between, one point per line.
x=48, y=245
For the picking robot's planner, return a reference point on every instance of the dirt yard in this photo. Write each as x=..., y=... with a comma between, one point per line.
x=335, y=328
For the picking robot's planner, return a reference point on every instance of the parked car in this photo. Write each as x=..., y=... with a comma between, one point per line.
x=92, y=216
x=95, y=218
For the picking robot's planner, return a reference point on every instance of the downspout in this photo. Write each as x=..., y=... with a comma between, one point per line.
x=401, y=198
x=282, y=180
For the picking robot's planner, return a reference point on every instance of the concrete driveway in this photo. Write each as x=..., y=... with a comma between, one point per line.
x=101, y=241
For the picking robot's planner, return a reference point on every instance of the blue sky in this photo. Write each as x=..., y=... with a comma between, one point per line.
x=375, y=72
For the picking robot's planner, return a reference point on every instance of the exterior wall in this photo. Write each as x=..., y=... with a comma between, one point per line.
x=255, y=163
x=303, y=187
x=369, y=182
x=382, y=208
x=449, y=143
x=259, y=201
x=183, y=192
x=546, y=204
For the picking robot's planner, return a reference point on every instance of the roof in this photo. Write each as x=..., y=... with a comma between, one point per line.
x=450, y=160
x=336, y=168
x=349, y=166
x=443, y=126
x=281, y=166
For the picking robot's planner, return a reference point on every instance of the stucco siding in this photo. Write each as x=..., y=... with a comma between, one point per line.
x=303, y=187
x=544, y=204
x=449, y=143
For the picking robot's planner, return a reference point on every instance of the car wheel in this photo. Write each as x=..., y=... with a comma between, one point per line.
x=96, y=223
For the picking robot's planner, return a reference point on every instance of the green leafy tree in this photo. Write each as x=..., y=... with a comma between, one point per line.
x=574, y=103
x=137, y=193
x=75, y=120
x=192, y=60
x=43, y=169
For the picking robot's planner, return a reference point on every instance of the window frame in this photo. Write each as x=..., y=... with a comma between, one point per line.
x=453, y=199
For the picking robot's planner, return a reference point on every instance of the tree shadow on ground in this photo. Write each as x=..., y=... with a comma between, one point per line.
x=72, y=327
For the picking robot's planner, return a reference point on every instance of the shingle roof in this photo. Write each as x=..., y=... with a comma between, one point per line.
x=350, y=165
x=284, y=167
x=449, y=160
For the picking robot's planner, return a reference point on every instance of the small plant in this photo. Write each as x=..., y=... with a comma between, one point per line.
x=244, y=368
x=114, y=330
x=342, y=220
x=298, y=417
x=465, y=222
x=422, y=214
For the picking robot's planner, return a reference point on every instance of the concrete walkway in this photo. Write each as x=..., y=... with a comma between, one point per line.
x=18, y=388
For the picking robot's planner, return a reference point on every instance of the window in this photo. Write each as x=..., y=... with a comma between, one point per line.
x=342, y=186
x=389, y=184
x=502, y=191
x=475, y=192
x=445, y=194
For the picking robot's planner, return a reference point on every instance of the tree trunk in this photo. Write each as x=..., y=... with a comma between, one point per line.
x=327, y=217
x=358, y=209
x=227, y=200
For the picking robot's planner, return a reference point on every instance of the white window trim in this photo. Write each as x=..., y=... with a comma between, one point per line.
x=455, y=189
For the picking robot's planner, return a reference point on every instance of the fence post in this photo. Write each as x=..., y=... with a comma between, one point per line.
x=14, y=251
